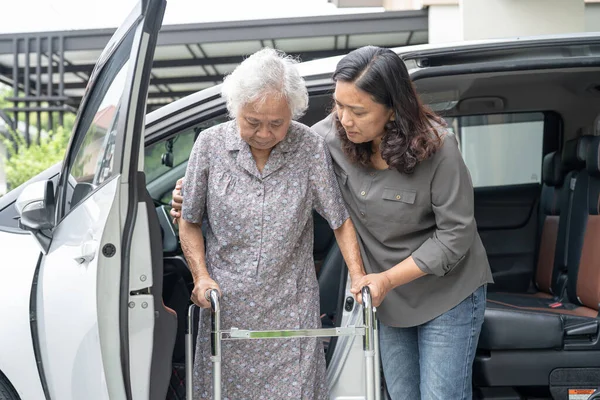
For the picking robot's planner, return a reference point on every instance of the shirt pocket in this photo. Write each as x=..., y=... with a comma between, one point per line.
x=222, y=197
x=295, y=187
x=222, y=184
x=400, y=204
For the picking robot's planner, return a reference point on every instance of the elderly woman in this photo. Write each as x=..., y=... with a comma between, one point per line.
x=256, y=180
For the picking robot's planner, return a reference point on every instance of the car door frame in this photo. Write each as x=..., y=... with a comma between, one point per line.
x=143, y=23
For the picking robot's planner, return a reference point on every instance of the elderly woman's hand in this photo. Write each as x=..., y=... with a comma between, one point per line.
x=201, y=286
x=177, y=201
x=379, y=284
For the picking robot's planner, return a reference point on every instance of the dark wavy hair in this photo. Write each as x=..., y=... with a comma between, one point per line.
x=413, y=136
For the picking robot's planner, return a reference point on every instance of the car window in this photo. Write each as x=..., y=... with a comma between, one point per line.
x=501, y=149
x=91, y=163
x=155, y=156
x=176, y=149
x=165, y=161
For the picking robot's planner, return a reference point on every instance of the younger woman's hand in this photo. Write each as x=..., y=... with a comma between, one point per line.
x=379, y=285
x=177, y=201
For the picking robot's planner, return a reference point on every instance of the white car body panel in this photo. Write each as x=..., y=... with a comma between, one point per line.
x=67, y=288
x=17, y=269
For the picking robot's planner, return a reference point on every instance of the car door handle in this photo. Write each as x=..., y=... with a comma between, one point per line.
x=88, y=251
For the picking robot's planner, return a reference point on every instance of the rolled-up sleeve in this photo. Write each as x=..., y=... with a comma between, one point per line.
x=195, y=186
x=327, y=198
x=452, y=204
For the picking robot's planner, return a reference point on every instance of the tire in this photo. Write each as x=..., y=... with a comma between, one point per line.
x=7, y=392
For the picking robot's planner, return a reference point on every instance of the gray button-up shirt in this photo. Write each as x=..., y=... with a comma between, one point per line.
x=427, y=214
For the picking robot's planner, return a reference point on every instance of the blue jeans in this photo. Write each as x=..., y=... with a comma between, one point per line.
x=434, y=361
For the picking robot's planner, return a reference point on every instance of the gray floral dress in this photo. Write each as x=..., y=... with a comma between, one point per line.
x=259, y=243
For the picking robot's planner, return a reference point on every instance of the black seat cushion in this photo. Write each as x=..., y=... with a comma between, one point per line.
x=519, y=321
x=509, y=329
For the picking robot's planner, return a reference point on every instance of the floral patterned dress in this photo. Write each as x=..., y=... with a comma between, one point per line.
x=259, y=249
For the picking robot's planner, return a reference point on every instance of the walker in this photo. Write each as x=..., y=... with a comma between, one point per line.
x=368, y=330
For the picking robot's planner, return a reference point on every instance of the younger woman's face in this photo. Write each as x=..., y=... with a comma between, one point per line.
x=363, y=118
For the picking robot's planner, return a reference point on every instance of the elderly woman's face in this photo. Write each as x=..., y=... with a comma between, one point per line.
x=265, y=123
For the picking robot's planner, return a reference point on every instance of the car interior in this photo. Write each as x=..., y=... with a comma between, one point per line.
x=540, y=335
x=530, y=140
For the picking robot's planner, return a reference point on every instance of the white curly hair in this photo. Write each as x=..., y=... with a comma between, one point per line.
x=265, y=73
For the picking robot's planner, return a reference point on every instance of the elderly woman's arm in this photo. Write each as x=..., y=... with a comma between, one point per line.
x=330, y=205
x=190, y=219
x=345, y=236
x=192, y=244
x=346, y=239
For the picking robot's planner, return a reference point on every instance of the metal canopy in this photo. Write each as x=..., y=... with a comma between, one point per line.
x=189, y=57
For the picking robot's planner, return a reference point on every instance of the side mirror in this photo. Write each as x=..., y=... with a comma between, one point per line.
x=36, y=206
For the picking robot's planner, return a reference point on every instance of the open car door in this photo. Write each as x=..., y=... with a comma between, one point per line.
x=97, y=301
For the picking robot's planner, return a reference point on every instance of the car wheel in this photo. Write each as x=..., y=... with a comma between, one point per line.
x=7, y=392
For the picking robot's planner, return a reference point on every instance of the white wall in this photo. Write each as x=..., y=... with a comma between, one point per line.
x=505, y=18
x=494, y=18
x=486, y=19
x=397, y=4
x=592, y=17
x=445, y=24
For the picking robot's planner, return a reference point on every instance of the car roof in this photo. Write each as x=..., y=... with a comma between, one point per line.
x=323, y=68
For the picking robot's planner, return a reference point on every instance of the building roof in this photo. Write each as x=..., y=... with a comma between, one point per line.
x=192, y=57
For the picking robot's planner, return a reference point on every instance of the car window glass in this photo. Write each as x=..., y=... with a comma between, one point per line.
x=92, y=163
x=155, y=155
x=180, y=147
x=501, y=149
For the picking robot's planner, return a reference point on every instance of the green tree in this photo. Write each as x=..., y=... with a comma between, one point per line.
x=45, y=149
x=24, y=162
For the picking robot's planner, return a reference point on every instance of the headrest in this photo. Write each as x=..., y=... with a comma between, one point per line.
x=574, y=153
x=592, y=163
x=596, y=127
x=553, y=171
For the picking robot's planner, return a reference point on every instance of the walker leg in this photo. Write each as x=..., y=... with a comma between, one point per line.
x=215, y=341
x=377, y=357
x=189, y=353
x=369, y=344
